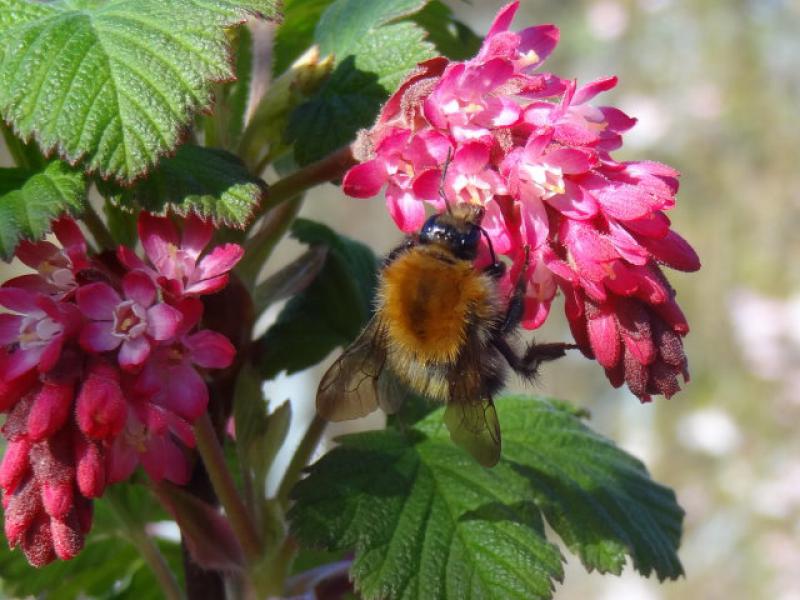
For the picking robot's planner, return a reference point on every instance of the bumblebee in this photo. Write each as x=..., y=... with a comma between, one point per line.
x=441, y=329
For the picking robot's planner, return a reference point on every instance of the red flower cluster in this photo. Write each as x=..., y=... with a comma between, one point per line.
x=536, y=154
x=100, y=371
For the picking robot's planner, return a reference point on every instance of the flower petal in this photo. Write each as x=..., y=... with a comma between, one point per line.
x=134, y=352
x=407, y=211
x=590, y=90
x=185, y=393
x=210, y=349
x=19, y=300
x=197, y=233
x=219, y=261
x=121, y=461
x=365, y=180
x=471, y=158
x=138, y=286
x=98, y=337
x=9, y=329
x=130, y=259
x=426, y=185
x=673, y=251
x=97, y=301
x=163, y=321
x=604, y=337
x=207, y=286
x=502, y=21
x=541, y=40
x=20, y=362
x=33, y=254
x=160, y=240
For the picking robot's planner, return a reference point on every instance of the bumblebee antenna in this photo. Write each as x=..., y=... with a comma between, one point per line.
x=441, y=181
x=491, y=246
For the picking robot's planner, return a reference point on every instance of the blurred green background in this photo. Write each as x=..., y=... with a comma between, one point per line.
x=715, y=85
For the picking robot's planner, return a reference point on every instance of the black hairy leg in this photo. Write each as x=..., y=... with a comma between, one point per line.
x=527, y=363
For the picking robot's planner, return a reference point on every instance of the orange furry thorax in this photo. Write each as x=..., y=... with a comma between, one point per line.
x=429, y=299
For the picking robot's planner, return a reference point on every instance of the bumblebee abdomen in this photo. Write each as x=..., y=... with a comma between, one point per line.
x=429, y=299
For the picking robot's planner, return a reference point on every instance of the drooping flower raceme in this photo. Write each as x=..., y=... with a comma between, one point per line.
x=102, y=369
x=535, y=151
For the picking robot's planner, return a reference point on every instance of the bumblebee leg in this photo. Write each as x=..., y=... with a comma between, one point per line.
x=528, y=363
x=516, y=305
x=495, y=270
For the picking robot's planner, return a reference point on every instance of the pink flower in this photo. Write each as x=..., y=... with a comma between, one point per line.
x=56, y=267
x=536, y=153
x=179, y=268
x=637, y=344
x=409, y=165
x=76, y=422
x=155, y=438
x=131, y=324
x=171, y=378
x=34, y=335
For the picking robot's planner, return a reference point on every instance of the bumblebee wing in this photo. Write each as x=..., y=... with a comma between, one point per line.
x=470, y=415
x=350, y=388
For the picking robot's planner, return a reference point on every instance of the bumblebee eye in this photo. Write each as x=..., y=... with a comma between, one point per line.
x=472, y=239
x=429, y=230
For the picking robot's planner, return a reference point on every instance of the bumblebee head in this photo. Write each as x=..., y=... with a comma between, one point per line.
x=458, y=231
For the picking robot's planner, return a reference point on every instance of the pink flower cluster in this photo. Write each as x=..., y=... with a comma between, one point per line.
x=101, y=369
x=532, y=149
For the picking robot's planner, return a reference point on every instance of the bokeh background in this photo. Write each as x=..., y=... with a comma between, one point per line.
x=715, y=85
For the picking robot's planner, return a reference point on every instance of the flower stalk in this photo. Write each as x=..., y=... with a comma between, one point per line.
x=147, y=548
x=330, y=168
x=211, y=452
x=301, y=457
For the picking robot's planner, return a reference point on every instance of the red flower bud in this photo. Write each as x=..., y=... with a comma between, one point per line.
x=49, y=411
x=100, y=406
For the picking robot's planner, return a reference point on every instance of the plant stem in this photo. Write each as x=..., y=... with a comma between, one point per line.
x=97, y=228
x=211, y=452
x=301, y=457
x=259, y=247
x=147, y=548
x=329, y=168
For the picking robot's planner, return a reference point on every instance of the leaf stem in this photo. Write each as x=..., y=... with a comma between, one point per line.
x=301, y=457
x=147, y=548
x=97, y=228
x=211, y=452
x=329, y=168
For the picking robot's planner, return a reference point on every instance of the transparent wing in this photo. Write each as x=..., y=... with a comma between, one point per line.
x=357, y=383
x=470, y=415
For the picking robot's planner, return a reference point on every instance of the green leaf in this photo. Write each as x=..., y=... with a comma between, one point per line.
x=113, y=83
x=108, y=567
x=30, y=201
x=452, y=38
x=598, y=498
x=291, y=279
x=208, y=182
x=373, y=53
x=427, y=522
x=328, y=313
